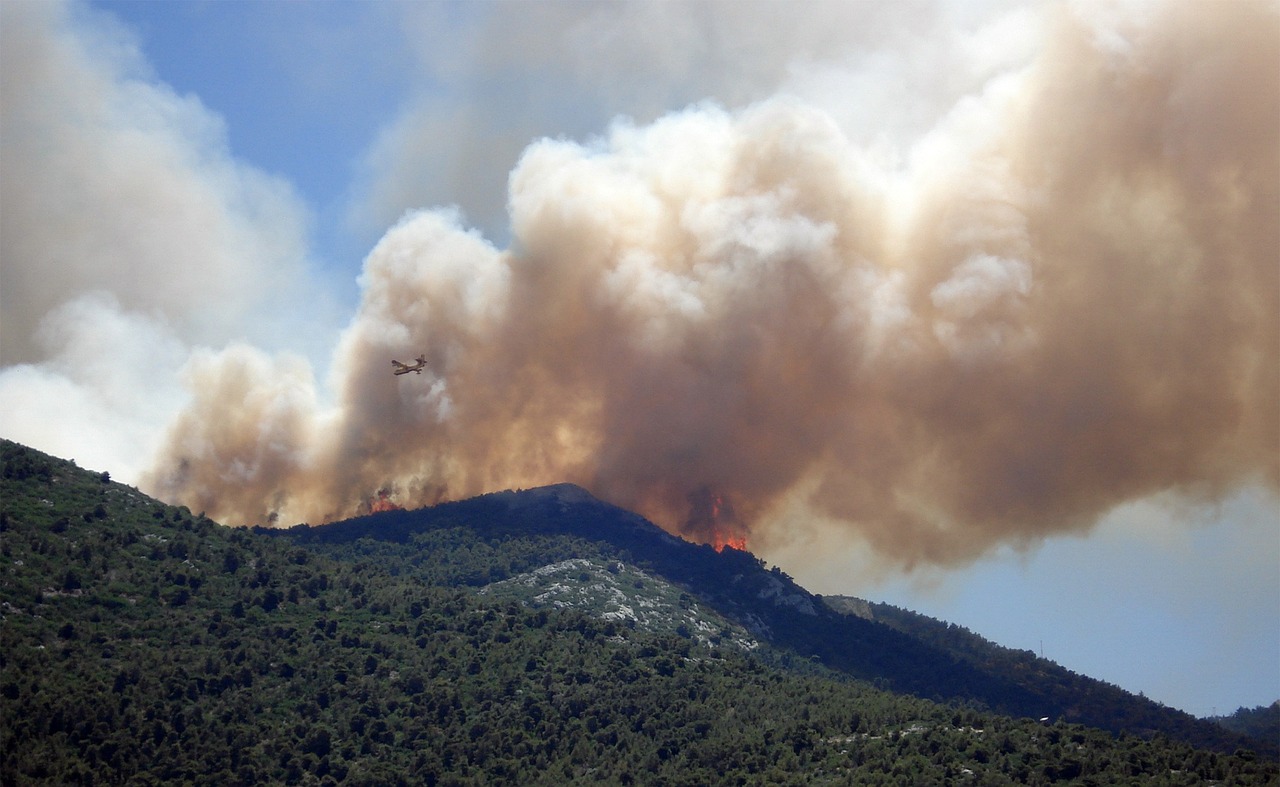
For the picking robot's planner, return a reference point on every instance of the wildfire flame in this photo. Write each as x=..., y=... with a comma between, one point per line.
x=712, y=519
x=383, y=502
x=721, y=540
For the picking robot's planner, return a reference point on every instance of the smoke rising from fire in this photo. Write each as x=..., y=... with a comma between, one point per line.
x=1067, y=299
x=115, y=184
x=128, y=234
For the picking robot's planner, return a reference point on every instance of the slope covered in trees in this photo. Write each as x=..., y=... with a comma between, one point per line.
x=1084, y=698
x=456, y=543
x=145, y=644
x=1261, y=723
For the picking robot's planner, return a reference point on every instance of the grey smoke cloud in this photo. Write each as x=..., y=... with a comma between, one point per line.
x=1064, y=299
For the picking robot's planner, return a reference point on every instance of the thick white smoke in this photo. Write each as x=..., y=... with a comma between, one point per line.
x=128, y=234
x=1066, y=298
x=114, y=183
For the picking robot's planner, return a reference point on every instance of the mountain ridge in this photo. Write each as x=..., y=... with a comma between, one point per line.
x=147, y=644
x=884, y=646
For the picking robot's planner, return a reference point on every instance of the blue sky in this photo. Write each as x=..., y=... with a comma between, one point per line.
x=337, y=118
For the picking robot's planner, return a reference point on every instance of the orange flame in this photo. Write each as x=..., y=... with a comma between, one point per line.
x=383, y=502
x=721, y=540
x=721, y=519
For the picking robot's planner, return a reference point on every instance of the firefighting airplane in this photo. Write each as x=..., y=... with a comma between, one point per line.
x=416, y=368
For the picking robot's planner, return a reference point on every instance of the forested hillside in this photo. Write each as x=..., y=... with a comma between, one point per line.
x=145, y=644
x=489, y=538
x=1084, y=698
x=1260, y=723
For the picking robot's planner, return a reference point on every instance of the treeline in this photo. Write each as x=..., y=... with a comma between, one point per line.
x=1101, y=704
x=486, y=539
x=1262, y=722
x=144, y=644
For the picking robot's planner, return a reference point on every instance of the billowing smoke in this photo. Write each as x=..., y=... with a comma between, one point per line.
x=1067, y=298
x=112, y=183
x=128, y=233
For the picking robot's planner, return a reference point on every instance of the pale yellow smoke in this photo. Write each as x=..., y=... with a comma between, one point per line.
x=1068, y=299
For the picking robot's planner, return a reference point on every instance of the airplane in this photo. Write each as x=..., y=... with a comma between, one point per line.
x=416, y=368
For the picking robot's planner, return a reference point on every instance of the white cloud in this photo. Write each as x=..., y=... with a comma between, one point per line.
x=111, y=181
x=493, y=77
x=129, y=233
x=106, y=393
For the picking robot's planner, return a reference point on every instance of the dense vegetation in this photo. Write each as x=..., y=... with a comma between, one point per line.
x=1261, y=723
x=486, y=539
x=143, y=644
x=1083, y=698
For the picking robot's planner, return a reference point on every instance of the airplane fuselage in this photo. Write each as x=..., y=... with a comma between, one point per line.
x=404, y=368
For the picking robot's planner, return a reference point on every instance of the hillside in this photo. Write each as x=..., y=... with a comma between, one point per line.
x=1260, y=723
x=896, y=649
x=147, y=644
x=1080, y=697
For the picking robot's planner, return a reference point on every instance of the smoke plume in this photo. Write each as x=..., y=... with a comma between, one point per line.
x=128, y=233
x=114, y=183
x=1066, y=299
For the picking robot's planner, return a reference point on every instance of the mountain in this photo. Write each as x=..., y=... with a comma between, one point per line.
x=1073, y=696
x=896, y=649
x=143, y=643
x=1261, y=723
